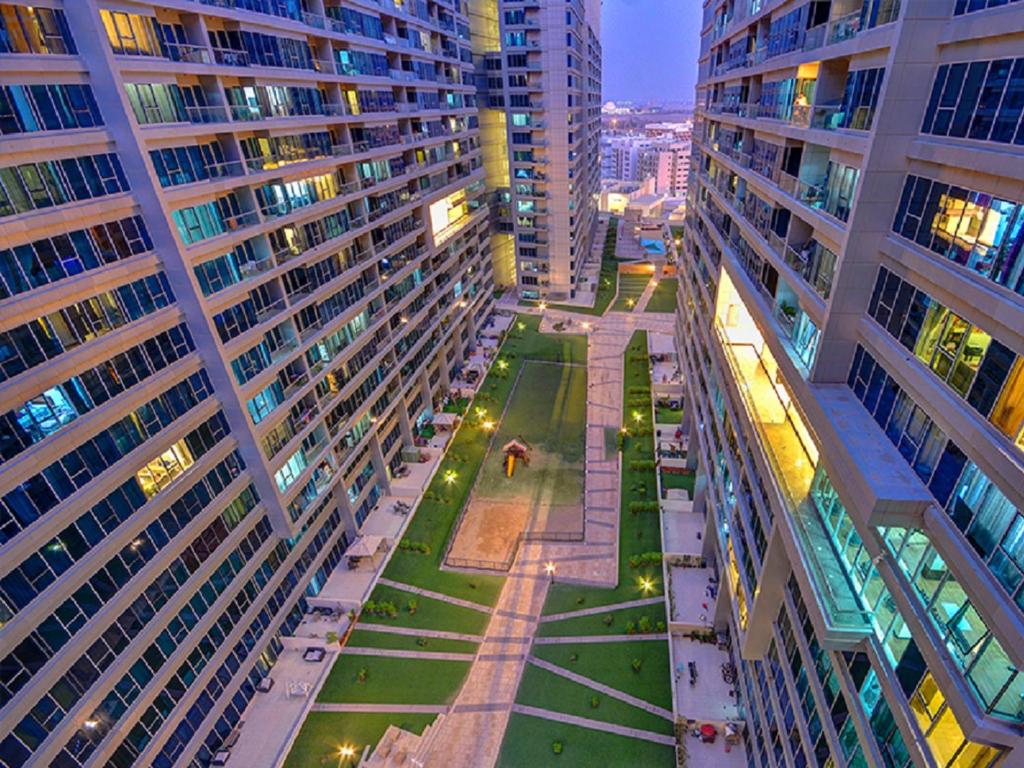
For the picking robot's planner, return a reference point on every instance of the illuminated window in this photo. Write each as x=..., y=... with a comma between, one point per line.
x=1008, y=413
x=160, y=472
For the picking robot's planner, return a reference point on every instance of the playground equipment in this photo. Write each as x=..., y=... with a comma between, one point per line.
x=515, y=450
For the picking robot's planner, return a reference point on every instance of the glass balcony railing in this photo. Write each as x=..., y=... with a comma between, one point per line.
x=792, y=456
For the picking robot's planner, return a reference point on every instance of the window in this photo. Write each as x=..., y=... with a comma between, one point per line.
x=981, y=100
x=24, y=29
x=161, y=471
x=34, y=186
x=976, y=230
x=31, y=108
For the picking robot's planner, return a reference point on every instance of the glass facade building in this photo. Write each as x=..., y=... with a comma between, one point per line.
x=851, y=328
x=244, y=245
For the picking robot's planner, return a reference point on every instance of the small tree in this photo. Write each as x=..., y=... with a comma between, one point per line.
x=363, y=675
x=636, y=665
x=556, y=747
x=412, y=605
x=608, y=619
x=595, y=702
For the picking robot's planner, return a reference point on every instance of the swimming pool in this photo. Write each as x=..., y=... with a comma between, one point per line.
x=653, y=247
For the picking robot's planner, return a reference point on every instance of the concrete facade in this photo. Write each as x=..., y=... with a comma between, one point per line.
x=851, y=327
x=544, y=75
x=244, y=247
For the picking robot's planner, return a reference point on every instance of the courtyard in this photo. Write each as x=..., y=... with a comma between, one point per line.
x=463, y=667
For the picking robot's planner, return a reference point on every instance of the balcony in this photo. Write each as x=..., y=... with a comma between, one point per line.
x=791, y=455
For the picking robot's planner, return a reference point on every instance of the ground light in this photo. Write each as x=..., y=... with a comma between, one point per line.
x=488, y=426
x=502, y=365
x=630, y=303
x=646, y=585
x=450, y=476
x=521, y=326
x=345, y=754
x=549, y=569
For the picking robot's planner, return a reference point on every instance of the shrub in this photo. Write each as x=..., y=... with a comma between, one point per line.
x=574, y=657
x=642, y=466
x=412, y=605
x=595, y=702
x=630, y=627
x=660, y=625
x=644, y=626
x=556, y=747
x=636, y=665
x=422, y=642
x=363, y=674
x=635, y=507
x=608, y=619
x=580, y=600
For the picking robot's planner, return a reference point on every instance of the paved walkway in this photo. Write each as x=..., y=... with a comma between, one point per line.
x=578, y=639
x=419, y=709
x=604, y=609
x=393, y=653
x=434, y=595
x=607, y=690
x=413, y=632
x=471, y=735
x=596, y=725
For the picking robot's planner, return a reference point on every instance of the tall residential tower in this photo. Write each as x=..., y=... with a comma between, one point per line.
x=540, y=75
x=852, y=330
x=243, y=245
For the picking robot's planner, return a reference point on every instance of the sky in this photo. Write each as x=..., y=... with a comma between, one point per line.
x=650, y=49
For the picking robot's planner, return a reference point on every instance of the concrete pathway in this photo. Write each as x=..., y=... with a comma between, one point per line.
x=604, y=609
x=394, y=653
x=419, y=709
x=595, y=725
x=581, y=639
x=413, y=632
x=471, y=735
x=434, y=595
x=607, y=690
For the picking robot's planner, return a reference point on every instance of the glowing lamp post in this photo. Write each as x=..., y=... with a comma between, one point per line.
x=345, y=754
x=646, y=586
x=549, y=569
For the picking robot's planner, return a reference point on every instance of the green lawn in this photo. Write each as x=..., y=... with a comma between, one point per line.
x=609, y=663
x=437, y=512
x=664, y=415
x=595, y=624
x=630, y=288
x=430, y=613
x=393, y=681
x=664, y=297
x=678, y=481
x=549, y=411
x=324, y=732
x=638, y=532
x=528, y=741
x=361, y=638
x=547, y=690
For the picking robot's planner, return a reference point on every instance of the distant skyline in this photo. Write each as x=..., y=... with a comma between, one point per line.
x=650, y=49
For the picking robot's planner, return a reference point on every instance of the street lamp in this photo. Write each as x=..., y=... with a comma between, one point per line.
x=488, y=426
x=542, y=306
x=450, y=475
x=586, y=325
x=502, y=365
x=549, y=569
x=345, y=754
x=646, y=585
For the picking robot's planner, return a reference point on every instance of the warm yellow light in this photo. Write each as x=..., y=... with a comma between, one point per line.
x=638, y=417
x=542, y=306
x=404, y=319
x=646, y=585
x=549, y=568
x=586, y=326
x=521, y=326
x=481, y=412
x=502, y=365
x=346, y=752
x=488, y=426
x=91, y=724
x=624, y=431
x=450, y=475
x=630, y=302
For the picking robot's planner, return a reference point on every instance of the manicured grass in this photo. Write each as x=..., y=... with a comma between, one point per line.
x=609, y=663
x=678, y=481
x=436, y=514
x=393, y=681
x=664, y=297
x=547, y=690
x=664, y=415
x=361, y=638
x=322, y=733
x=630, y=287
x=638, y=532
x=528, y=743
x=430, y=613
x=548, y=411
x=595, y=624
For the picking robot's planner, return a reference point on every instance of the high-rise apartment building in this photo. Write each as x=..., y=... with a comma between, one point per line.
x=542, y=60
x=852, y=330
x=243, y=244
x=672, y=171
